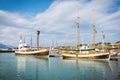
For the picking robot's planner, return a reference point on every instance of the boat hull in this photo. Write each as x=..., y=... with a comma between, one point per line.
x=42, y=53
x=89, y=56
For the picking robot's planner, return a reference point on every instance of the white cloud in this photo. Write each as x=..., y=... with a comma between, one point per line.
x=58, y=23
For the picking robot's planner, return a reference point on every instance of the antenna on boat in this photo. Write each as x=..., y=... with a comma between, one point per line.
x=78, y=30
x=53, y=44
x=31, y=41
x=24, y=39
x=20, y=39
x=103, y=40
x=38, y=32
x=94, y=30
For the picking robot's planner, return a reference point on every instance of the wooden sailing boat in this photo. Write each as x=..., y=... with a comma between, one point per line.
x=25, y=49
x=92, y=54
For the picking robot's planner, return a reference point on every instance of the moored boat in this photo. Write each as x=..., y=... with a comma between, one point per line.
x=88, y=54
x=32, y=52
x=25, y=49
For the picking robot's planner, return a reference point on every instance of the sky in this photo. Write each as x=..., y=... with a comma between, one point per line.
x=56, y=20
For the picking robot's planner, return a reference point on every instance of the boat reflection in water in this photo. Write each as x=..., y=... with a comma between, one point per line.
x=82, y=69
x=31, y=67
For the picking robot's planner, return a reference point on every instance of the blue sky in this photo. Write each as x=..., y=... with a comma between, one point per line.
x=25, y=5
x=56, y=21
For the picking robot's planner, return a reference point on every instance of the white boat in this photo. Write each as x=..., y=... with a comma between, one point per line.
x=25, y=49
x=54, y=53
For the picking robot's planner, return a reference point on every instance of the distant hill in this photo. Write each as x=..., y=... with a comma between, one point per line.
x=5, y=46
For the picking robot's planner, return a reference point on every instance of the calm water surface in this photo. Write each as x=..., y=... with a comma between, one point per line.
x=30, y=67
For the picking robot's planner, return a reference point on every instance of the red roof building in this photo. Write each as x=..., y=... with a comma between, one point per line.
x=117, y=43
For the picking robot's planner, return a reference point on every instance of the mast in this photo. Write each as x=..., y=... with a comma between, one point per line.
x=53, y=44
x=78, y=32
x=20, y=42
x=38, y=32
x=24, y=39
x=94, y=32
x=103, y=40
x=31, y=41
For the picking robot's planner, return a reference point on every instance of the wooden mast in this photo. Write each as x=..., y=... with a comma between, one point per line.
x=94, y=32
x=78, y=32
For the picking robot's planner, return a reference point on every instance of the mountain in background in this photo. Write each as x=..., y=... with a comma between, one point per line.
x=5, y=46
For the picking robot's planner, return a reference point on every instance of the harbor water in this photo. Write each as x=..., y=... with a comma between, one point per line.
x=32, y=67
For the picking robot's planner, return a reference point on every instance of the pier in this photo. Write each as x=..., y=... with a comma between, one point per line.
x=7, y=50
